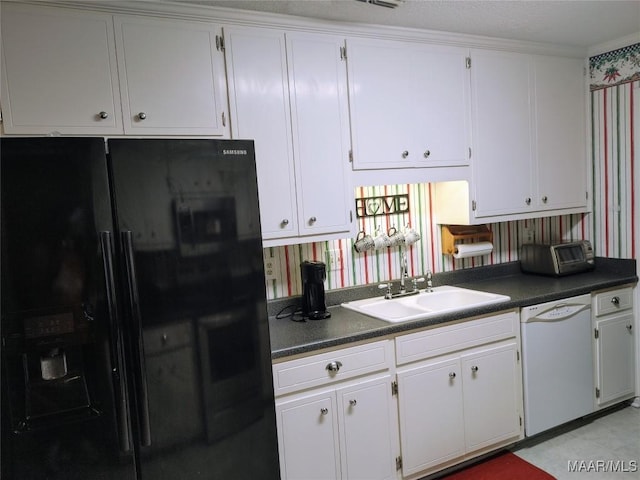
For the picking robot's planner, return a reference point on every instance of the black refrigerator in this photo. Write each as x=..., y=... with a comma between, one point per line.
x=135, y=341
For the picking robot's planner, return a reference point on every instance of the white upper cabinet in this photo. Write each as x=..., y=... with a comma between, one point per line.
x=560, y=131
x=288, y=93
x=320, y=121
x=409, y=104
x=529, y=141
x=259, y=109
x=502, y=88
x=59, y=72
x=171, y=76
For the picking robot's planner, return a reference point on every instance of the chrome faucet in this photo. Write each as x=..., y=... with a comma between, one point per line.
x=404, y=274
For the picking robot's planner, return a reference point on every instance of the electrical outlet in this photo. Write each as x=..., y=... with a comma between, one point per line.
x=529, y=235
x=269, y=268
x=334, y=260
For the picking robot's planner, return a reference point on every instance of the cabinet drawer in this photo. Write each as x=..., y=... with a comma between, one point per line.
x=331, y=367
x=612, y=301
x=441, y=340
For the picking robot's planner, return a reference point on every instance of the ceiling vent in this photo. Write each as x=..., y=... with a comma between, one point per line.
x=384, y=3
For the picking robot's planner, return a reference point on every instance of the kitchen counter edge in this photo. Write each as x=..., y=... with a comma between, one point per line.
x=345, y=326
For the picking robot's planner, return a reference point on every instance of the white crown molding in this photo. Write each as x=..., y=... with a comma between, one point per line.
x=614, y=44
x=230, y=16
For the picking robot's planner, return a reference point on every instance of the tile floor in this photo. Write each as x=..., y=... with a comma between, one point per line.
x=593, y=447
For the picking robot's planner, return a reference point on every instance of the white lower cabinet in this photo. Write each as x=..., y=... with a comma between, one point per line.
x=308, y=437
x=453, y=392
x=453, y=406
x=614, y=346
x=346, y=426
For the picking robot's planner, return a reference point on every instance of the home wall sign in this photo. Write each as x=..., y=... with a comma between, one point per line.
x=385, y=205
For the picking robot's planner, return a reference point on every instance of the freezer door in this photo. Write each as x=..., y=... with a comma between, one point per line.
x=63, y=394
x=192, y=270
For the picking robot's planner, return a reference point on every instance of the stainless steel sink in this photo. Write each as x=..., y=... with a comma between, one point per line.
x=444, y=299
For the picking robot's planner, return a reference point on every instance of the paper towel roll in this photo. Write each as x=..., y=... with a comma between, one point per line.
x=466, y=250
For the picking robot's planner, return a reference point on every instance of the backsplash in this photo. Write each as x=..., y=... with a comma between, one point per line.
x=358, y=269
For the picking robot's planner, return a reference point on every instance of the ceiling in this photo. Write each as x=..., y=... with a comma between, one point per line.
x=575, y=23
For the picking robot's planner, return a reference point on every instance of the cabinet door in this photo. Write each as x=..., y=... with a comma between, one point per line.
x=615, y=357
x=308, y=438
x=369, y=434
x=259, y=104
x=492, y=395
x=560, y=125
x=501, y=84
x=320, y=125
x=431, y=419
x=74, y=53
x=380, y=95
x=442, y=116
x=171, y=75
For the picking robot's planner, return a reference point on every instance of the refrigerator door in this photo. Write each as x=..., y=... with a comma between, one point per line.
x=192, y=272
x=63, y=391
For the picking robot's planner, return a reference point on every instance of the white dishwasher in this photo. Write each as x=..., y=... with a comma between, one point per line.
x=557, y=363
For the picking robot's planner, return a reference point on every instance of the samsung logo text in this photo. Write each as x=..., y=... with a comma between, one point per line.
x=234, y=152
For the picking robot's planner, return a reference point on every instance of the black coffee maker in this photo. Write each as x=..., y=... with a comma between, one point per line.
x=313, y=305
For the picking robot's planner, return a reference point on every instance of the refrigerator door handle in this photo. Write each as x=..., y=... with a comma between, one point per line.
x=140, y=377
x=116, y=345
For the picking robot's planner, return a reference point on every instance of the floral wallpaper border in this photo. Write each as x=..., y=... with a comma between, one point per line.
x=615, y=68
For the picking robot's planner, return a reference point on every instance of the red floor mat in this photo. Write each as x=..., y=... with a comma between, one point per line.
x=505, y=466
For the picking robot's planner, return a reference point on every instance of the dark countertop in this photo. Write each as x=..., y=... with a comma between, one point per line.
x=346, y=326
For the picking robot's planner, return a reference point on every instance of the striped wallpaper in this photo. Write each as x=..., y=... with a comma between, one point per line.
x=615, y=116
x=381, y=265
x=613, y=227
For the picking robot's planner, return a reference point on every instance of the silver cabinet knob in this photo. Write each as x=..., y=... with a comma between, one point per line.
x=544, y=199
x=324, y=411
x=284, y=221
x=427, y=153
x=312, y=220
x=615, y=301
x=353, y=402
x=405, y=154
x=142, y=116
x=103, y=115
x=452, y=375
x=333, y=366
x=527, y=201
x=474, y=369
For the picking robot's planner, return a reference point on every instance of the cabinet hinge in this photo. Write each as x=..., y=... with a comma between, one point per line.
x=350, y=156
x=350, y=216
x=394, y=388
x=398, y=463
x=473, y=205
x=586, y=195
x=469, y=152
x=518, y=355
x=520, y=420
x=468, y=62
x=343, y=53
x=597, y=392
x=596, y=333
x=220, y=43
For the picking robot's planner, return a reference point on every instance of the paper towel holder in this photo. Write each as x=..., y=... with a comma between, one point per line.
x=456, y=233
